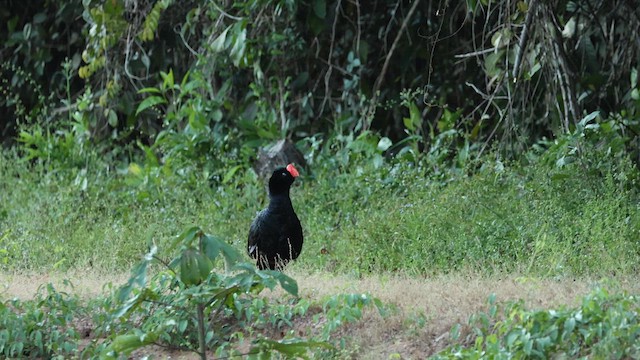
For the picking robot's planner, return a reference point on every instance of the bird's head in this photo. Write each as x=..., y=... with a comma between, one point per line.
x=282, y=178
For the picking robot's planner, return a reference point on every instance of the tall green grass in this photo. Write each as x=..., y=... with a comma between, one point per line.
x=534, y=219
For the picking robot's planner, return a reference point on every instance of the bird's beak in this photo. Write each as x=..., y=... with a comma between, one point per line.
x=292, y=170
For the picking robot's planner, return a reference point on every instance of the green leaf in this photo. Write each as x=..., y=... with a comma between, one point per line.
x=512, y=337
x=523, y=7
x=231, y=255
x=145, y=58
x=384, y=144
x=125, y=344
x=534, y=69
x=219, y=44
x=149, y=90
x=112, y=118
x=185, y=78
x=408, y=124
x=587, y=119
x=230, y=173
x=634, y=78
x=186, y=237
x=414, y=114
x=239, y=44
x=210, y=246
x=471, y=5
x=149, y=102
x=168, y=80
x=569, y=325
x=491, y=62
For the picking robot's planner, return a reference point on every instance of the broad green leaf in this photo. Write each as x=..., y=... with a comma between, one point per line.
x=216, y=115
x=587, y=119
x=416, y=118
x=39, y=18
x=210, y=246
x=186, y=238
x=569, y=325
x=112, y=118
x=569, y=28
x=491, y=63
x=219, y=44
x=231, y=255
x=149, y=102
x=384, y=144
x=239, y=44
x=534, y=69
x=125, y=344
x=144, y=58
x=287, y=283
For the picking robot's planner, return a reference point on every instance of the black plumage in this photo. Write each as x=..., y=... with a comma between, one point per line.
x=275, y=236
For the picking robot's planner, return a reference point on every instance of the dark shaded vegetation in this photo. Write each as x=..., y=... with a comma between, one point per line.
x=438, y=137
x=243, y=74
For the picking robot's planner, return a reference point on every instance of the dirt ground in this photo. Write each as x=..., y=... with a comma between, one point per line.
x=427, y=308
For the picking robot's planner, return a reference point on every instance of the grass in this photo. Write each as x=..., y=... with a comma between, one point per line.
x=392, y=219
x=435, y=250
x=423, y=313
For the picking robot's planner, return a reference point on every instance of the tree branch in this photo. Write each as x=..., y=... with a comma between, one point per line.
x=523, y=39
x=380, y=78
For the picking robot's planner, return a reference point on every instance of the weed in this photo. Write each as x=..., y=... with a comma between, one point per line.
x=604, y=326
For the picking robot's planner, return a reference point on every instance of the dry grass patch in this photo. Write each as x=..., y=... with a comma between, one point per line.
x=427, y=308
x=424, y=309
x=85, y=284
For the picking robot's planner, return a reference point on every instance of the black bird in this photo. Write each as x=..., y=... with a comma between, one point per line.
x=275, y=236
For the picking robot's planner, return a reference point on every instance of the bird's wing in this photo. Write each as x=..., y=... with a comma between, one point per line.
x=292, y=237
x=254, y=234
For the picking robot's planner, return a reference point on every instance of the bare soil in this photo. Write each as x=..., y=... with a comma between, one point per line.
x=427, y=308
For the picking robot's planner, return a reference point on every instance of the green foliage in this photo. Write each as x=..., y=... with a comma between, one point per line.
x=36, y=39
x=152, y=19
x=604, y=326
x=388, y=215
x=180, y=304
x=107, y=25
x=185, y=303
x=193, y=137
x=275, y=69
x=41, y=328
x=62, y=144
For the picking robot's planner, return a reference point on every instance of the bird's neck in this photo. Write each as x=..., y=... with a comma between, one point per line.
x=279, y=201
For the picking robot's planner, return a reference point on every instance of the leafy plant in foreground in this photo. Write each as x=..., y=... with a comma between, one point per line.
x=42, y=328
x=188, y=306
x=604, y=326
